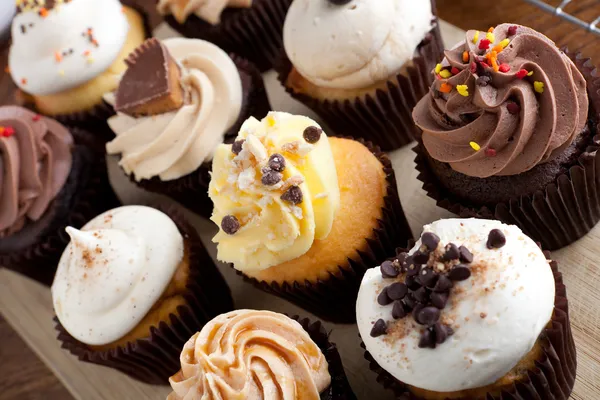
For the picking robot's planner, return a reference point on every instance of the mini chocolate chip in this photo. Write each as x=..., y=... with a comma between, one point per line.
x=415, y=312
x=427, y=277
x=452, y=253
x=389, y=270
x=443, y=284
x=236, y=147
x=379, y=328
x=384, y=299
x=441, y=332
x=339, y=2
x=398, y=310
x=483, y=80
x=293, y=195
x=411, y=268
x=421, y=295
x=271, y=177
x=430, y=240
x=439, y=299
x=230, y=224
x=312, y=134
x=496, y=239
x=277, y=162
x=428, y=316
x=401, y=257
x=409, y=303
x=427, y=339
x=397, y=291
x=420, y=257
x=412, y=282
x=459, y=273
x=465, y=255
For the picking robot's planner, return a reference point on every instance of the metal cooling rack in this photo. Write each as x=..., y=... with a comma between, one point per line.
x=560, y=12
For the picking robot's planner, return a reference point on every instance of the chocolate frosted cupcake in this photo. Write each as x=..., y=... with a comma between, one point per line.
x=63, y=73
x=260, y=355
x=361, y=65
x=508, y=133
x=133, y=284
x=474, y=311
x=250, y=28
x=177, y=101
x=303, y=216
x=49, y=178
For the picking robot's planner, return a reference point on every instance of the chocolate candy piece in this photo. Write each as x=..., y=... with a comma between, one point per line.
x=420, y=257
x=427, y=277
x=398, y=310
x=428, y=316
x=412, y=282
x=277, y=162
x=230, y=224
x=415, y=312
x=236, y=147
x=439, y=299
x=421, y=295
x=151, y=84
x=388, y=270
x=496, y=239
x=430, y=240
x=427, y=339
x=452, y=253
x=441, y=332
x=379, y=328
x=443, y=284
x=409, y=302
x=384, y=299
x=312, y=134
x=339, y=2
x=465, y=255
x=293, y=195
x=270, y=177
x=459, y=273
x=412, y=269
x=397, y=291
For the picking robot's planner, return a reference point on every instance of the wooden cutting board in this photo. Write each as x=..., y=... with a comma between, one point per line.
x=28, y=307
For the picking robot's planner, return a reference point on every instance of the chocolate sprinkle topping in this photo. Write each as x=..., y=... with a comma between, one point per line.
x=396, y=291
x=270, y=177
x=496, y=239
x=236, y=147
x=459, y=273
x=428, y=316
x=389, y=270
x=398, y=310
x=230, y=224
x=465, y=255
x=430, y=240
x=277, y=162
x=439, y=299
x=452, y=252
x=427, y=339
x=293, y=195
x=443, y=284
x=312, y=134
x=384, y=299
x=380, y=328
x=339, y=2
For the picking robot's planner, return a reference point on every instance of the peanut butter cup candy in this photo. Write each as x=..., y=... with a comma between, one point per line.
x=133, y=284
x=177, y=101
x=509, y=131
x=474, y=310
x=303, y=215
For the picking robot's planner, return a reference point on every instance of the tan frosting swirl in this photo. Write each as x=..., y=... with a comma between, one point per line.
x=176, y=143
x=247, y=354
x=523, y=117
x=35, y=161
x=207, y=10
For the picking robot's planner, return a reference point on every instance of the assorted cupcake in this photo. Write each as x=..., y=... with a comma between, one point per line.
x=66, y=54
x=49, y=179
x=474, y=310
x=250, y=28
x=248, y=354
x=131, y=287
x=508, y=132
x=302, y=215
x=176, y=102
x=361, y=65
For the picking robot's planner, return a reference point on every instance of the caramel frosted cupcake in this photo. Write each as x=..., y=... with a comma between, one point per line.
x=49, y=178
x=361, y=65
x=177, y=101
x=474, y=310
x=303, y=216
x=133, y=284
x=509, y=133
x=64, y=72
x=247, y=354
x=250, y=28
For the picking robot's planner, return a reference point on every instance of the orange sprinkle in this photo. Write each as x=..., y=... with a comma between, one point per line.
x=95, y=42
x=57, y=56
x=498, y=48
x=43, y=12
x=86, y=53
x=491, y=29
x=24, y=81
x=445, y=88
x=466, y=56
x=492, y=57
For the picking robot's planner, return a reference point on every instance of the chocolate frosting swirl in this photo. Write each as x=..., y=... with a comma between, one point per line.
x=503, y=126
x=35, y=161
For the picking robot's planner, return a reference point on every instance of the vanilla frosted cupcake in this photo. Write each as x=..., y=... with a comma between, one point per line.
x=176, y=102
x=361, y=65
x=131, y=285
x=260, y=355
x=473, y=311
x=66, y=54
x=303, y=216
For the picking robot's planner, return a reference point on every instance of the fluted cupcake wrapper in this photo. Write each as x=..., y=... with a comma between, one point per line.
x=554, y=374
x=564, y=211
x=35, y=250
x=386, y=118
x=191, y=190
x=255, y=33
x=334, y=299
x=155, y=358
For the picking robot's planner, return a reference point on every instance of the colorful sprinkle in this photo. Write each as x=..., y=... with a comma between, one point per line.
x=484, y=44
x=86, y=53
x=476, y=37
x=512, y=30
x=475, y=146
x=504, y=43
x=473, y=67
x=43, y=12
x=465, y=56
x=58, y=56
x=36, y=118
x=445, y=88
x=61, y=72
x=491, y=37
x=24, y=81
x=271, y=120
x=538, y=86
x=463, y=90
x=522, y=74
x=7, y=131
x=530, y=73
x=438, y=68
x=504, y=68
x=513, y=107
x=90, y=60
x=491, y=29
x=455, y=71
x=445, y=74
x=490, y=152
x=484, y=64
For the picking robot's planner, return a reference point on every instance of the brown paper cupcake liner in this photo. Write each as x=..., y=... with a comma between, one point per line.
x=386, y=118
x=35, y=250
x=555, y=370
x=334, y=299
x=191, y=190
x=564, y=211
x=155, y=358
x=255, y=33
